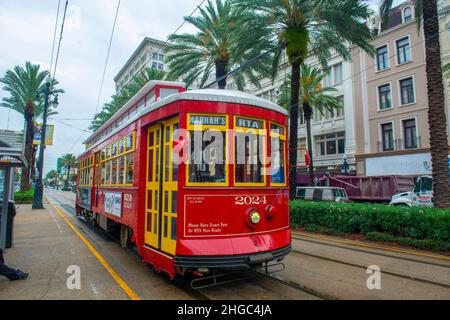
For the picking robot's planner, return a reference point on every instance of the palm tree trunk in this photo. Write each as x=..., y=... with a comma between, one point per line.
x=25, y=177
x=436, y=106
x=221, y=70
x=307, y=112
x=293, y=128
x=68, y=174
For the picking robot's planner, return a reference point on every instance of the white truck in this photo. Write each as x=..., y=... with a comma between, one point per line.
x=421, y=195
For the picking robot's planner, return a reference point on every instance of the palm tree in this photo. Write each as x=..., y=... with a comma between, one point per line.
x=23, y=84
x=313, y=98
x=51, y=176
x=16, y=103
x=69, y=161
x=120, y=99
x=227, y=37
x=311, y=27
x=427, y=11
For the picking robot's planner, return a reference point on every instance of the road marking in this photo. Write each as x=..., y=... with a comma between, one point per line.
x=117, y=278
x=428, y=255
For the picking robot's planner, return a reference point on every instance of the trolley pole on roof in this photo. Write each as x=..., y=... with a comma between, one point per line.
x=39, y=188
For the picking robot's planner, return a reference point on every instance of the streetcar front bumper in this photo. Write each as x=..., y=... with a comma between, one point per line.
x=231, y=261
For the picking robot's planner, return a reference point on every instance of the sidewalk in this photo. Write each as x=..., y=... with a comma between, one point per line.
x=45, y=246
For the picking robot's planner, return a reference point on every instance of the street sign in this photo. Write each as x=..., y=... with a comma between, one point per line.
x=48, y=134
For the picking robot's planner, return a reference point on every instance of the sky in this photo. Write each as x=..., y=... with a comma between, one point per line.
x=26, y=34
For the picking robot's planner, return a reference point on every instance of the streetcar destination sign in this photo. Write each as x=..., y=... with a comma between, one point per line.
x=207, y=120
x=247, y=123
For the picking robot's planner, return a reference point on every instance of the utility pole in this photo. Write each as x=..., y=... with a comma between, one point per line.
x=39, y=188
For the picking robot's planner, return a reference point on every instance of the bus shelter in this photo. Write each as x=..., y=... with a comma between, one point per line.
x=11, y=157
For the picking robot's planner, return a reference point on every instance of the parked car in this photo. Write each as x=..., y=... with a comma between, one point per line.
x=322, y=194
x=421, y=195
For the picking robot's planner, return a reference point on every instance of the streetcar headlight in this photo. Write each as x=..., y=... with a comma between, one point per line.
x=255, y=217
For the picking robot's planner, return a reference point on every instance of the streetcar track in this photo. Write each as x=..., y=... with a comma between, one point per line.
x=294, y=285
x=395, y=274
x=372, y=252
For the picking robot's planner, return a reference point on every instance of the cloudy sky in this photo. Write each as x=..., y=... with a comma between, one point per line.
x=26, y=34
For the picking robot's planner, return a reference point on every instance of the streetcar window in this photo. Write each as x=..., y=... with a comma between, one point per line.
x=103, y=173
x=108, y=172
x=207, y=163
x=150, y=166
x=121, y=148
x=248, y=161
x=163, y=93
x=114, y=149
x=130, y=168
x=166, y=222
x=173, y=228
x=174, y=201
x=277, y=154
x=129, y=142
x=114, y=172
x=121, y=170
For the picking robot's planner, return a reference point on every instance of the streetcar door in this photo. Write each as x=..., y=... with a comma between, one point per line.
x=161, y=188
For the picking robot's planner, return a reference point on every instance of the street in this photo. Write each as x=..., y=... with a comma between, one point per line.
x=318, y=267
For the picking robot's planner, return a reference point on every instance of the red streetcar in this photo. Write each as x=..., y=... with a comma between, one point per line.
x=196, y=180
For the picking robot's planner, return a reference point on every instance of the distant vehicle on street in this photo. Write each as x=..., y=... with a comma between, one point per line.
x=421, y=195
x=152, y=176
x=330, y=194
x=370, y=188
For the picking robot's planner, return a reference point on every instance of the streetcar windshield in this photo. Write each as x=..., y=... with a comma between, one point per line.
x=207, y=157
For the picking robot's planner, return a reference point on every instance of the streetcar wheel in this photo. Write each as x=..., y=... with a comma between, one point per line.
x=124, y=236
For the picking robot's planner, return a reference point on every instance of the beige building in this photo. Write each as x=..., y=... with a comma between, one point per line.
x=390, y=94
x=148, y=54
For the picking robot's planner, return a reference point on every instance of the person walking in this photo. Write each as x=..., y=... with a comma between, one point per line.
x=10, y=273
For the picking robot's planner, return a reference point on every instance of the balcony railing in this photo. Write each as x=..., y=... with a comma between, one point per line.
x=399, y=144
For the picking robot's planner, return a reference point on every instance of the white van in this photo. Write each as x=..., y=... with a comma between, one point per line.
x=322, y=194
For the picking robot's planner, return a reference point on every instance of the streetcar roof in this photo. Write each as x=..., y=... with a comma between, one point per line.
x=213, y=95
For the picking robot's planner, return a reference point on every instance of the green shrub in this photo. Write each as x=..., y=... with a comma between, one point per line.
x=25, y=197
x=417, y=243
x=408, y=222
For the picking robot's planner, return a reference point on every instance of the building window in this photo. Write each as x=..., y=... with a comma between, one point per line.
x=407, y=91
x=330, y=144
x=161, y=57
x=409, y=133
x=382, y=58
x=154, y=65
x=384, y=96
x=387, y=136
x=334, y=76
x=337, y=69
x=301, y=118
x=160, y=66
x=155, y=56
x=403, y=50
x=407, y=14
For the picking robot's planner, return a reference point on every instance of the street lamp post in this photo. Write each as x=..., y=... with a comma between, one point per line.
x=38, y=188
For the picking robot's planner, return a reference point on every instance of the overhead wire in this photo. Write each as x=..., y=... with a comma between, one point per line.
x=107, y=56
x=60, y=39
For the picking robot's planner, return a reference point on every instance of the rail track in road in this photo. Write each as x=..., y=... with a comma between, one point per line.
x=340, y=260
x=346, y=244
